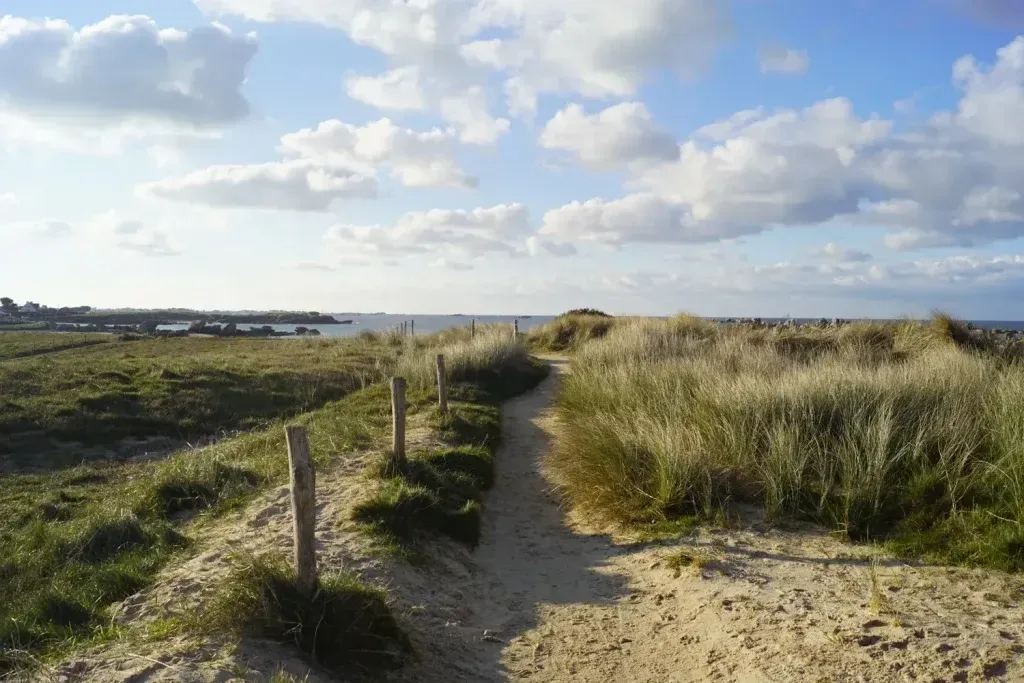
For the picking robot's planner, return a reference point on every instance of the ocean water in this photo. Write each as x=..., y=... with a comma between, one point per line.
x=425, y=324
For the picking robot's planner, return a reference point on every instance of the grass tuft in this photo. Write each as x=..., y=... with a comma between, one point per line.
x=345, y=626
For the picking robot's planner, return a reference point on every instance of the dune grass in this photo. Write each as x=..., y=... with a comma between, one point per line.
x=346, y=626
x=569, y=331
x=439, y=490
x=116, y=398
x=905, y=432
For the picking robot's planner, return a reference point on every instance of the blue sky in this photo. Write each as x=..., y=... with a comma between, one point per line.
x=744, y=157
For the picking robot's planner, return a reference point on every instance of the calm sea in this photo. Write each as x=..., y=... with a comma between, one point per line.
x=425, y=324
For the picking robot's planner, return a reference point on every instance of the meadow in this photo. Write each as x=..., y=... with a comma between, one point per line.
x=76, y=539
x=906, y=433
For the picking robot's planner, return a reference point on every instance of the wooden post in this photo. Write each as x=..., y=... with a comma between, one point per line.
x=442, y=386
x=515, y=329
x=303, y=508
x=412, y=328
x=398, y=421
x=472, y=328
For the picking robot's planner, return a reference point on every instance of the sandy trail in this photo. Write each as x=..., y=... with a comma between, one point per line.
x=544, y=600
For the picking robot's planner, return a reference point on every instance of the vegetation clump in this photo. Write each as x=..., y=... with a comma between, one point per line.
x=571, y=330
x=344, y=625
x=909, y=432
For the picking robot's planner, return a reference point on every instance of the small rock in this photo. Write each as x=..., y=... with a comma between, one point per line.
x=490, y=637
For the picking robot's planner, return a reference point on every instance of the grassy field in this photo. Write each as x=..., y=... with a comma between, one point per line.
x=120, y=398
x=911, y=433
x=21, y=344
x=74, y=540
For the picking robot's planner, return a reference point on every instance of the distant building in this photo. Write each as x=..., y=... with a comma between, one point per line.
x=28, y=307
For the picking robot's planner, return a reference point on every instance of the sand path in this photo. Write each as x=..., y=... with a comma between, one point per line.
x=544, y=600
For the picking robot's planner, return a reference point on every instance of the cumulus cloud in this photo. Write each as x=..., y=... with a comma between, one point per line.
x=121, y=77
x=298, y=185
x=469, y=111
x=397, y=89
x=953, y=181
x=417, y=159
x=333, y=161
x=775, y=58
x=601, y=48
x=457, y=235
x=617, y=135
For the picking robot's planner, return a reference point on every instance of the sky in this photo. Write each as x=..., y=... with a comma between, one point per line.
x=853, y=158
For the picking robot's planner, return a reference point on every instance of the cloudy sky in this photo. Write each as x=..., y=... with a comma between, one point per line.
x=724, y=157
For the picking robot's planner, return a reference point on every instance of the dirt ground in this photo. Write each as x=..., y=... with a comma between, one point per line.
x=544, y=598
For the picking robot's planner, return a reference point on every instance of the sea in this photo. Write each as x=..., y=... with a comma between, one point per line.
x=423, y=324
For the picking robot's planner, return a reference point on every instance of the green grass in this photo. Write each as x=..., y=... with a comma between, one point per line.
x=117, y=398
x=346, y=626
x=438, y=491
x=21, y=344
x=74, y=540
x=904, y=432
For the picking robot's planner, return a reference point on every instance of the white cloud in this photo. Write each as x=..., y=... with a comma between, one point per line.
x=537, y=246
x=298, y=185
x=835, y=252
x=123, y=77
x=418, y=159
x=111, y=228
x=953, y=181
x=992, y=106
x=635, y=218
x=617, y=135
x=7, y=200
x=398, y=89
x=446, y=264
x=775, y=58
x=599, y=48
x=455, y=235
x=469, y=111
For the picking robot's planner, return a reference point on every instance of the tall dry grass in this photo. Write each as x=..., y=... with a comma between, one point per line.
x=905, y=430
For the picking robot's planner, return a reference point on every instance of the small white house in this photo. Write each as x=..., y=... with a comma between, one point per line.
x=28, y=307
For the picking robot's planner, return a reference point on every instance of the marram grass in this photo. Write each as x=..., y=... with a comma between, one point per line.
x=908, y=432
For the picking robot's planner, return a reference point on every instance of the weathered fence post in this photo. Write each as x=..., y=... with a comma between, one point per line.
x=303, y=483
x=412, y=328
x=398, y=421
x=515, y=329
x=442, y=386
x=472, y=328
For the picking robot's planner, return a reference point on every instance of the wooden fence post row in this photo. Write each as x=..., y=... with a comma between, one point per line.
x=398, y=421
x=442, y=386
x=303, y=483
